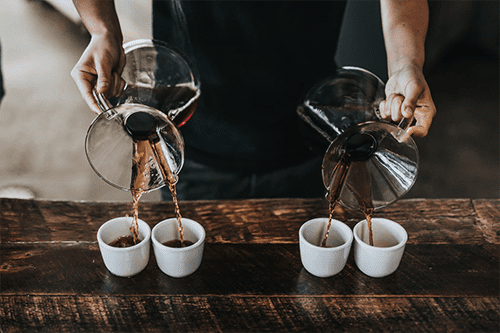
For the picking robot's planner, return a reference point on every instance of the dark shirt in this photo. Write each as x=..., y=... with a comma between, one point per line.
x=256, y=61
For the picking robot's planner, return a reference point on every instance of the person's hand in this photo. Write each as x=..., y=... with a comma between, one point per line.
x=408, y=96
x=100, y=68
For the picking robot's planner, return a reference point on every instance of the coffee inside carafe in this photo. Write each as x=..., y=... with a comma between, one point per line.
x=178, y=101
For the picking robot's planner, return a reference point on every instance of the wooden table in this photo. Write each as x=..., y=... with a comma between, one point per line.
x=251, y=279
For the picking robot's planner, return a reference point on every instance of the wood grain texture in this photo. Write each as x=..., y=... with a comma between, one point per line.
x=250, y=221
x=52, y=277
x=248, y=314
x=250, y=269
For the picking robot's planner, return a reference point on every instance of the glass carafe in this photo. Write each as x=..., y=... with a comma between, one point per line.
x=135, y=143
x=367, y=161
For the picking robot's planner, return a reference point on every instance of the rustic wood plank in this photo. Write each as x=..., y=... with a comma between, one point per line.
x=248, y=314
x=248, y=221
x=249, y=269
x=251, y=278
x=39, y=221
x=488, y=213
x=441, y=221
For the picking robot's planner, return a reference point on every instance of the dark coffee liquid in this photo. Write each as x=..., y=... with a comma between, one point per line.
x=178, y=216
x=124, y=241
x=334, y=190
x=136, y=196
x=368, y=214
x=178, y=102
x=140, y=179
x=144, y=152
x=359, y=147
x=177, y=243
x=181, y=101
x=170, y=180
x=329, y=224
x=361, y=188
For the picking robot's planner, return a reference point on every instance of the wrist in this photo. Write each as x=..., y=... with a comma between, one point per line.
x=398, y=65
x=100, y=18
x=108, y=34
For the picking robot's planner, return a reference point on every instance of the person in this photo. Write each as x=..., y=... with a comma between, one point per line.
x=256, y=59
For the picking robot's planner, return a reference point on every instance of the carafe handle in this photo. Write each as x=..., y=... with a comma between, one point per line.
x=102, y=101
x=405, y=123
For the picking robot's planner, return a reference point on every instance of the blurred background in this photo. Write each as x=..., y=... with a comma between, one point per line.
x=43, y=119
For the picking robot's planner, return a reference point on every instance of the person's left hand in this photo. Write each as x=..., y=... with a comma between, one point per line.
x=408, y=95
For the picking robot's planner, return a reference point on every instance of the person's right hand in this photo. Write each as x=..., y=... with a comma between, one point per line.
x=100, y=68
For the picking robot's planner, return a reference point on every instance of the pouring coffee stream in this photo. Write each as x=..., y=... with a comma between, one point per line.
x=147, y=144
x=135, y=143
x=369, y=162
x=358, y=148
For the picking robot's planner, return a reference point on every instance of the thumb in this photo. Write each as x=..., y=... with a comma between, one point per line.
x=418, y=131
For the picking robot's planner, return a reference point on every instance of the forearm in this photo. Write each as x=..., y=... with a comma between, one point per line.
x=100, y=18
x=404, y=24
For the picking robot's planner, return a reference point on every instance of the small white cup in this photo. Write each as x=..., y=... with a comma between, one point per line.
x=389, y=240
x=124, y=261
x=324, y=261
x=178, y=262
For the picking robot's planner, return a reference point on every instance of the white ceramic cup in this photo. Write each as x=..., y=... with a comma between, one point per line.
x=389, y=240
x=124, y=261
x=324, y=261
x=178, y=262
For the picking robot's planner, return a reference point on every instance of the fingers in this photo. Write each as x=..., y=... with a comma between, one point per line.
x=412, y=92
x=424, y=110
x=109, y=83
x=87, y=79
x=396, y=106
x=392, y=108
x=105, y=79
x=99, y=69
x=402, y=102
x=424, y=114
x=408, y=97
x=85, y=83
